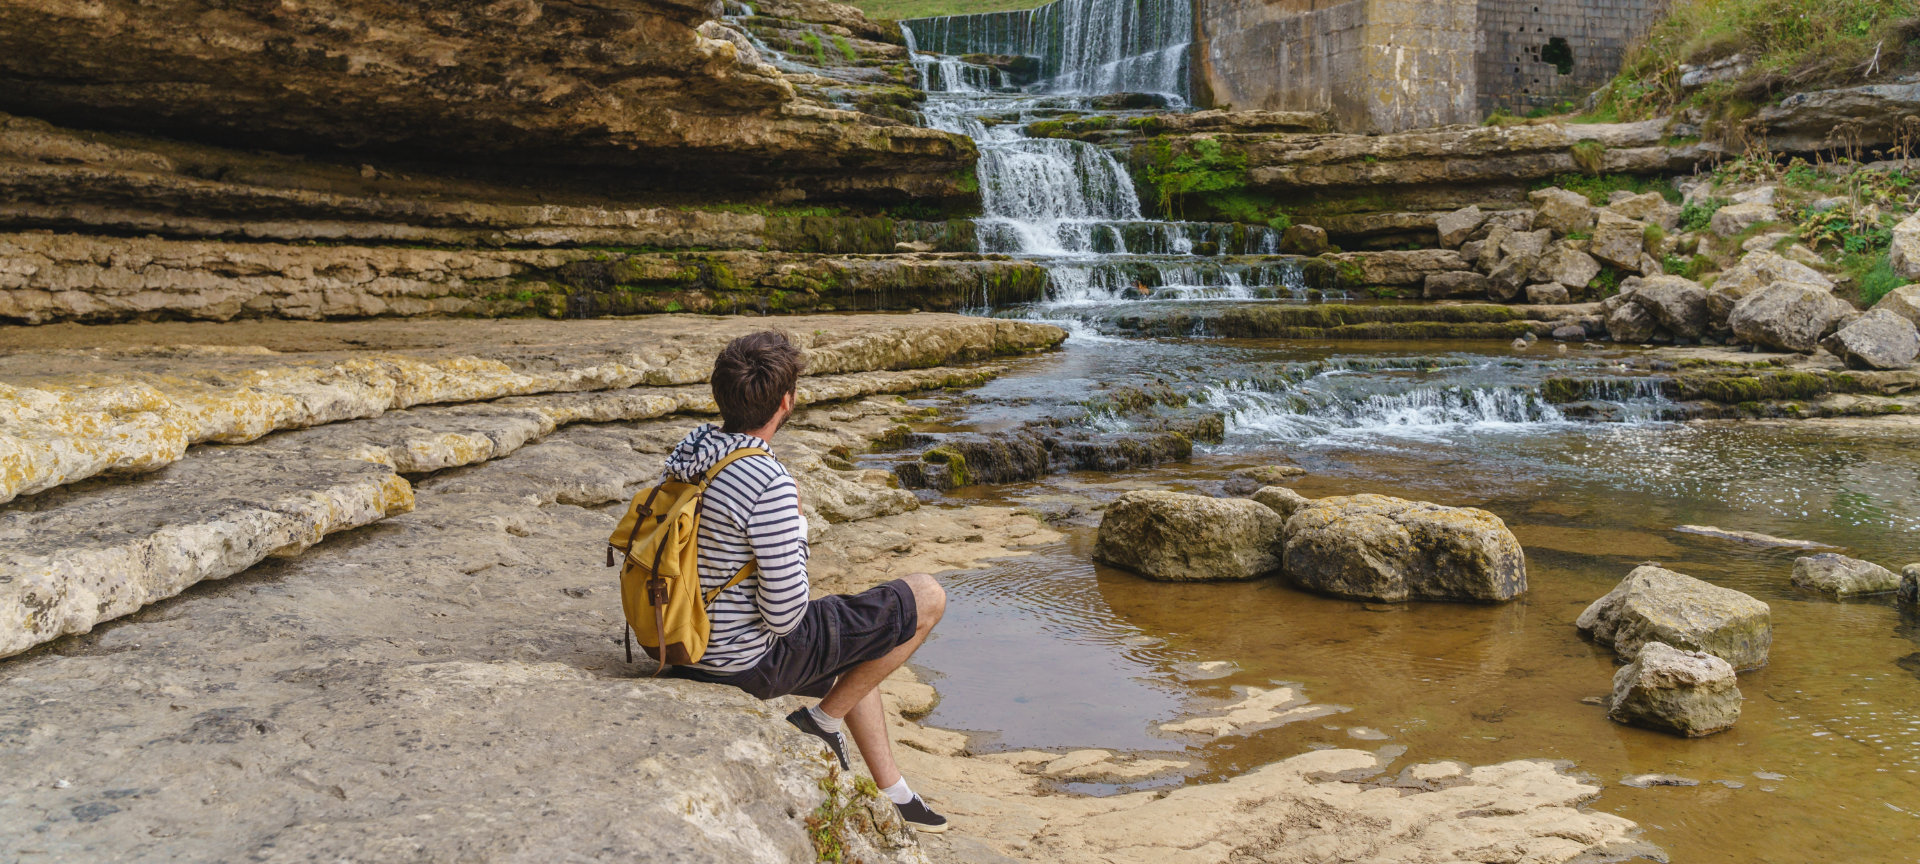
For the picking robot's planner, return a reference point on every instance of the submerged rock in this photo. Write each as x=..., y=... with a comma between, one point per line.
x=1880, y=339
x=1752, y=537
x=1909, y=585
x=1690, y=693
x=1374, y=547
x=1658, y=605
x=1284, y=501
x=1175, y=537
x=1841, y=576
x=1247, y=481
x=1787, y=316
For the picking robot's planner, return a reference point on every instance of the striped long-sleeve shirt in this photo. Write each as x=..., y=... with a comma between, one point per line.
x=751, y=512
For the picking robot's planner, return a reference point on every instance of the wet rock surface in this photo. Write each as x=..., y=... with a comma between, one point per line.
x=1190, y=538
x=1840, y=576
x=1689, y=693
x=1658, y=605
x=1375, y=547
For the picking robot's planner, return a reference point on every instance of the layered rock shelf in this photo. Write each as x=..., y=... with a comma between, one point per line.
x=210, y=512
x=76, y=414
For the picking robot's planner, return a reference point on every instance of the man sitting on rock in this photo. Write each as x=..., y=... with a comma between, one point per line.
x=768, y=638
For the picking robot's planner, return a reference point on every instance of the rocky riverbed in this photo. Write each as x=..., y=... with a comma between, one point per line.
x=413, y=686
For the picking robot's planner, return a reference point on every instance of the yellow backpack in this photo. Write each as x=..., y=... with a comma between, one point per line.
x=658, y=546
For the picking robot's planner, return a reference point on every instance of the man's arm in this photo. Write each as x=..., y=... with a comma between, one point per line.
x=778, y=534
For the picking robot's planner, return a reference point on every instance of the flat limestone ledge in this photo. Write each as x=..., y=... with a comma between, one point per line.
x=1330, y=805
x=51, y=277
x=1293, y=162
x=1411, y=321
x=78, y=556
x=445, y=685
x=97, y=182
x=83, y=554
x=76, y=402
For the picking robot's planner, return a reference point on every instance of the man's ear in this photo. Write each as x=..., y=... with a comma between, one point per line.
x=790, y=401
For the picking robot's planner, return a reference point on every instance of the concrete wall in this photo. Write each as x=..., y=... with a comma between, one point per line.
x=1598, y=33
x=1278, y=55
x=1391, y=65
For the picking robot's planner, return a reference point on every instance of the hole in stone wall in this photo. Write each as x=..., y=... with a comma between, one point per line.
x=1559, y=53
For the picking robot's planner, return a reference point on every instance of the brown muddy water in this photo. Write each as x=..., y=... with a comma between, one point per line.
x=1052, y=651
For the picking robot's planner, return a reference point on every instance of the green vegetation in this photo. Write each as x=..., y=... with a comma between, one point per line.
x=815, y=46
x=1698, y=215
x=1591, y=156
x=1793, y=45
x=845, y=811
x=900, y=10
x=1874, y=276
x=846, y=48
x=1214, y=178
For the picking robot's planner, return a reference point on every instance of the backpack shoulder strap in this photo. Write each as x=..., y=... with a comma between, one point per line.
x=737, y=579
x=729, y=459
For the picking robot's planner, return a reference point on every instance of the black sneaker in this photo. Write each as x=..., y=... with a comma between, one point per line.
x=803, y=721
x=921, y=817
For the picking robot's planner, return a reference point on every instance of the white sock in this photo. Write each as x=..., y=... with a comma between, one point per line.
x=829, y=724
x=898, y=793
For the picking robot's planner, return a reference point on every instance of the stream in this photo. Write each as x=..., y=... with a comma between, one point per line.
x=1053, y=651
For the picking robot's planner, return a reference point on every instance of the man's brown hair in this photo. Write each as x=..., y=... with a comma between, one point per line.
x=750, y=376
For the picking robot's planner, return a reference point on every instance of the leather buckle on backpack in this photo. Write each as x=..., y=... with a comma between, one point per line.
x=657, y=591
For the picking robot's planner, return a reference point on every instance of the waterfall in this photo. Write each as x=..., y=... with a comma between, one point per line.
x=1070, y=204
x=1085, y=47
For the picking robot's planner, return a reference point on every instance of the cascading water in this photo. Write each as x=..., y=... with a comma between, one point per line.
x=1068, y=203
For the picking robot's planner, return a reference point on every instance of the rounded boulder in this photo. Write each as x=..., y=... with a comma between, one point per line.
x=1175, y=537
x=1374, y=547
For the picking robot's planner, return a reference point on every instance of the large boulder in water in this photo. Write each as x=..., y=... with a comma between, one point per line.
x=1174, y=537
x=1373, y=547
x=1880, y=339
x=1841, y=576
x=1658, y=605
x=1689, y=693
x=1787, y=316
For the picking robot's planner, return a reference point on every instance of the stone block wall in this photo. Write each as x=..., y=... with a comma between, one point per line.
x=1521, y=67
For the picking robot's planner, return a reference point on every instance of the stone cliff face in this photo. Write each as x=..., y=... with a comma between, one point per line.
x=630, y=90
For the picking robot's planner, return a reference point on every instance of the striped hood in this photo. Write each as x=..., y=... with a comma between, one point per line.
x=703, y=448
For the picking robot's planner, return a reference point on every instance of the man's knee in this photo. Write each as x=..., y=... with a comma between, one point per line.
x=929, y=599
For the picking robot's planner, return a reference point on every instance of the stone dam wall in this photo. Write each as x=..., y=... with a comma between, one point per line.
x=1393, y=65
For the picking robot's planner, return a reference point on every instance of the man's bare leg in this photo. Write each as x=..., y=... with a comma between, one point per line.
x=856, y=696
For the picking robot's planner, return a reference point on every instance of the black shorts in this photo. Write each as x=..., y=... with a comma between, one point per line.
x=837, y=633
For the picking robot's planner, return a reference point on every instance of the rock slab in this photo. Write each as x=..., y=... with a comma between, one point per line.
x=1690, y=693
x=1174, y=537
x=75, y=557
x=1657, y=605
x=1787, y=316
x=1374, y=547
x=1880, y=339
